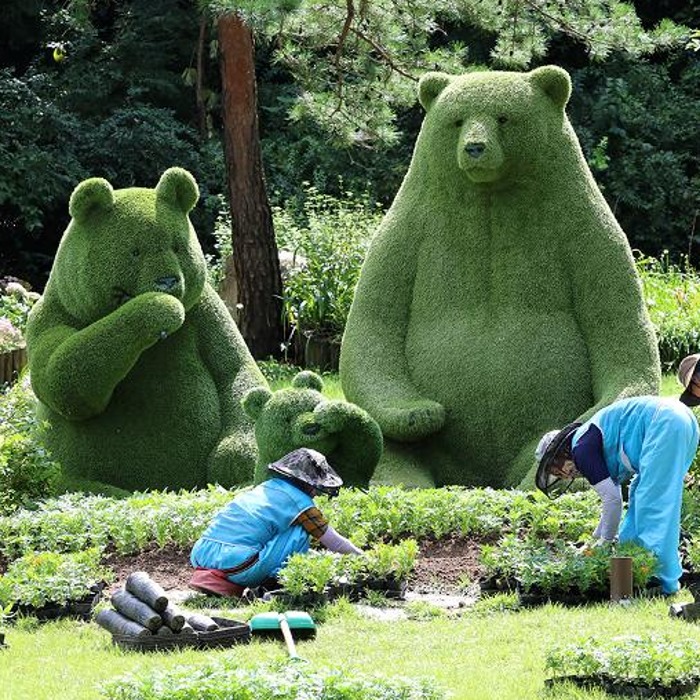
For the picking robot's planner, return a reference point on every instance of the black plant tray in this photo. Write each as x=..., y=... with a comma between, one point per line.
x=230, y=632
x=357, y=590
x=616, y=686
x=81, y=609
x=567, y=597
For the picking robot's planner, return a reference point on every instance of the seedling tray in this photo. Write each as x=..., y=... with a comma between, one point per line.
x=81, y=609
x=230, y=632
x=624, y=688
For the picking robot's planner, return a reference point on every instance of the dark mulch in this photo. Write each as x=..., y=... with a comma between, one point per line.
x=442, y=565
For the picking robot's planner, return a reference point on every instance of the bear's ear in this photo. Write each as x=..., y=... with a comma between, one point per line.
x=254, y=401
x=430, y=86
x=554, y=82
x=177, y=187
x=93, y=196
x=308, y=380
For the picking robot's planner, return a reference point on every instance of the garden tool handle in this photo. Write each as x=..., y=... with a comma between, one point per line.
x=289, y=640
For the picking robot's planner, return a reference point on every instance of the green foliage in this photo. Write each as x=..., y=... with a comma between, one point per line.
x=672, y=295
x=38, y=578
x=642, y=119
x=545, y=567
x=315, y=571
x=329, y=237
x=27, y=470
x=225, y=678
x=654, y=659
x=75, y=521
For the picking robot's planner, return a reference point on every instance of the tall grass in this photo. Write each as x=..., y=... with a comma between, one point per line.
x=672, y=294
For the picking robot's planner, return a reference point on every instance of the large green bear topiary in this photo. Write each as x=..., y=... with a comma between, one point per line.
x=135, y=360
x=302, y=417
x=499, y=297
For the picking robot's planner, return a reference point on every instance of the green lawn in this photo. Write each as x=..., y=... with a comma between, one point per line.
x=480, y=655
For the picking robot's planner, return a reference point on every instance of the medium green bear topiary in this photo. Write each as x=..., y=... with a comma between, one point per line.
x=499, y=298
x=135, y=360
x=302, y=417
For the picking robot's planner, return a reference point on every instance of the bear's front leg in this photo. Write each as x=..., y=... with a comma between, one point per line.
x=357, y=436
x=411, y=421
x=233, y=460
x=75, y=372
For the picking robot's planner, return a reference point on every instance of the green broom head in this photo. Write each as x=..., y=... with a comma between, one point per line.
x=268, y=624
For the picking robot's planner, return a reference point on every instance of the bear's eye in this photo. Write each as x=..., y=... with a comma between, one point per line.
x=136, y=252
x=459, y=122
x=502, y=119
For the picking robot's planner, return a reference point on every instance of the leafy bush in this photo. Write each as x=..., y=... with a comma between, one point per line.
x=225, y=679
x=651, y=660
x=27, y=471
x=38, y=578
x=329, y=237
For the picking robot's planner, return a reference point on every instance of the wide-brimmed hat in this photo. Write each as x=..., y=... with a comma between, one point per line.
x=686, y=370
x=550, y=448
x=310, y=468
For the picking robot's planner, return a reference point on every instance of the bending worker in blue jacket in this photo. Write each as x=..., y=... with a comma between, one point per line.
x=648, y=439
x=252, y=537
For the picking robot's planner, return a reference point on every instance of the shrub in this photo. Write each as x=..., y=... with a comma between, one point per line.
x=27, y=471
x=329, y=237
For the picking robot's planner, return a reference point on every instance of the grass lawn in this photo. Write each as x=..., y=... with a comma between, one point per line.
x=484, y=654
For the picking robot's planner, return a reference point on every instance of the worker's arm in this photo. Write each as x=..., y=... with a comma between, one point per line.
x=337, y=543
x=314, y=522
x=590, y=461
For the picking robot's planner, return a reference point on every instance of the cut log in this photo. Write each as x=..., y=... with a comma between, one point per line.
x=187, y=630
x=202, y=623
x=116, y=623
x=164, y=631
x=140, y=584
x=173, y=617
x=130, y=606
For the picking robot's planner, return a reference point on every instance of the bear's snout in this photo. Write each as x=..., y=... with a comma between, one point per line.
x=475, y=149
x=166, y=284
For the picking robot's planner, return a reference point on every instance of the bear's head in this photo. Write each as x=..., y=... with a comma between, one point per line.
x=122, y=243
x=493, y=125
x=287, y=419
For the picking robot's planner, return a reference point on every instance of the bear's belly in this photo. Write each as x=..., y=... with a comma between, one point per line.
x=503, y=377
x=159, y=428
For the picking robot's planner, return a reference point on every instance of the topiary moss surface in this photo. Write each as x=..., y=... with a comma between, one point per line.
x=138, y=366
x=301, y=416
x=498, y=299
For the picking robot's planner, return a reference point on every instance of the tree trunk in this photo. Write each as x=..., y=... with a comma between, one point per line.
x=255, y=257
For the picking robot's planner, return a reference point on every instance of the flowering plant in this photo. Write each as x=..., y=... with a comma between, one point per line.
x=15, y=304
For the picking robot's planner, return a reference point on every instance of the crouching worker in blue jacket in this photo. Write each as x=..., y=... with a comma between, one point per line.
x=250, y=540
x=647, y=439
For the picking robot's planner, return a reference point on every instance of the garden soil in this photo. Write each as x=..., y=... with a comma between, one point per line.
x=442, y=566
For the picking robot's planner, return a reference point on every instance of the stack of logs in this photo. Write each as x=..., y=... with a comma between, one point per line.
x=142, y=609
